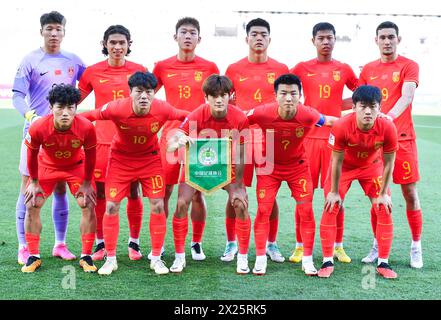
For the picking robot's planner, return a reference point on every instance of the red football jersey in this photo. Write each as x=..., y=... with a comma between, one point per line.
x=136, y=135
x=253, y=83
x=389, y=77
x=205, y=124
x=288, y=134
x=108, y=84
x=323, y=84
x=183, y=81
x=362, y=148
x=61, y=150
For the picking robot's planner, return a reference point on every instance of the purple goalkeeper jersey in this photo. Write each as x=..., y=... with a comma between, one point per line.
x=39, y=71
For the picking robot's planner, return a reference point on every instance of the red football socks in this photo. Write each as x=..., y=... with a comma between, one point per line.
x=134, y=215
x=198, y=230
x=87, y=243
x=33, y=242
x=385, y=229
x=180, y=230
x=273, y=228
x=111, y=231
x=243, y=229
x=230, y=224
x=340, y=225
x=158, y=226
x=415, y=219
x=328, y=230
x=374, y=221
x=307, y=227
x=261, y=228
x=100, y=208
x=297, y=226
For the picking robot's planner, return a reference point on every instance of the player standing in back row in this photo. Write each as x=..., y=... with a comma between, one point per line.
x=253, y=79
x=182, y=76
x=108, y=80
x=323, y=79
x=397, y=77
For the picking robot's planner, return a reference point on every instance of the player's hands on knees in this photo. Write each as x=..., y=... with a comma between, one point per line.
x=32, y=193
x=239, y=193
x=384, y=200
x=332, y=199
x=87, y=192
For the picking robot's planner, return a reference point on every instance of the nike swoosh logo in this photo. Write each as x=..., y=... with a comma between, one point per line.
x=242, y=79
x=373, y=78
x=408, y=177
x=156, y=191
x=169, y=75
x=311, y=74
x=49, y=144
x=302, y=195
x=124, y=127
x=103, y=80
x=352, y=144
x=43, y=73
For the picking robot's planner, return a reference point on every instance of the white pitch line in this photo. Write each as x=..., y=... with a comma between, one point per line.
x=423, y=126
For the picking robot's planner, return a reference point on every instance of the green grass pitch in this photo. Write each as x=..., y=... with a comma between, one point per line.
x=213, y=279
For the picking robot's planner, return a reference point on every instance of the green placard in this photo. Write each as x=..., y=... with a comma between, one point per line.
x=208, y=164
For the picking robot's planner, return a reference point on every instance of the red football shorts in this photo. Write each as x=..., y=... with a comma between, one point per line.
x=298, y=177
x=48, y=178
x=406, y=163
x=102, y=159
x=253, y=154
x=370, y=179
x=122, y=172
x=319, y=158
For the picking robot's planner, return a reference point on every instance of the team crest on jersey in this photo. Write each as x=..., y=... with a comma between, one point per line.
x=299, y=132
x=198, y=76
x=261, y=193
x=97, y=173
x=113, y=192
x=331, y=139
x=378, y=144
x=396, y=76
x=71, y=71
x=154, y=127
x=271, y=77
x=76, y=143
x=336, y=75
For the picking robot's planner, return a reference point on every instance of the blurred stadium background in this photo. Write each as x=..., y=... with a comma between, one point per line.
x=222, y=31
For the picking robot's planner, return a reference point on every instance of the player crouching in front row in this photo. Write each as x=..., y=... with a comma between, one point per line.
x=62, y=137
x=356, y=141
x=222, y=118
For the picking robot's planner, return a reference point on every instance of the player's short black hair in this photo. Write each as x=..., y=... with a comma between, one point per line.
x=258, y=22
x=145, y=80
x=52, y=17
x=188, y=20
x=322, y=26
x=216, y=85
x=116, y=29
x=288, y=78
x=64, y=94
x=387, y=25
x=367, y=94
